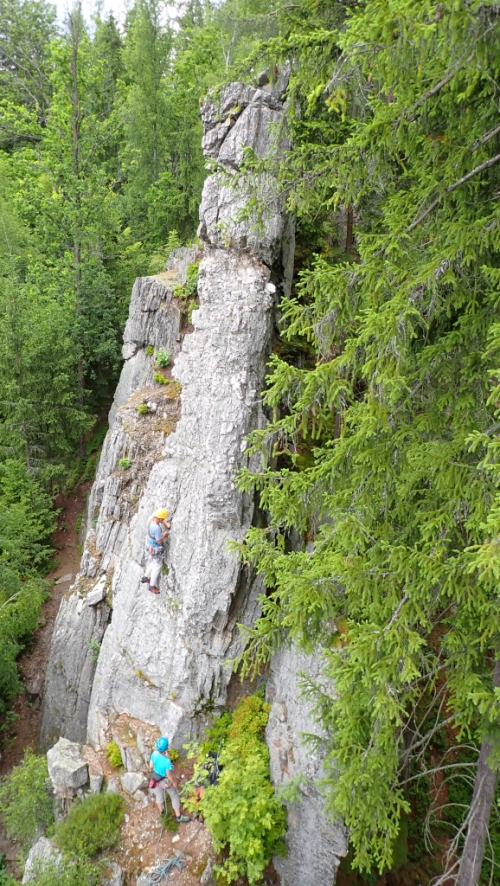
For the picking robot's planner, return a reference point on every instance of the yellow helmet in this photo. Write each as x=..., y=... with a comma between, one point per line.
x=162, y=514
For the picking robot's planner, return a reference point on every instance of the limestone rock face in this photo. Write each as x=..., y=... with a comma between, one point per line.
x=154, y=322
x=161, y=659
x=243, y=209
x=314, y=844
x=68, y=770
x=42, y=855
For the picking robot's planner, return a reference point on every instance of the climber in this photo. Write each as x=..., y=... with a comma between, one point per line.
x=163, y=779
x=158, y=530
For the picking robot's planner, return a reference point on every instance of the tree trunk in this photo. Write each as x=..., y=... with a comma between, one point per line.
x=482, y=800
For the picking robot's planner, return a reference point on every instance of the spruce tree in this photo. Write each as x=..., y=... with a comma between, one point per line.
x=384, y=447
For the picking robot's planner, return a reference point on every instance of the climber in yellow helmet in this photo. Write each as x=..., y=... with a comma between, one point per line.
x=158, y=531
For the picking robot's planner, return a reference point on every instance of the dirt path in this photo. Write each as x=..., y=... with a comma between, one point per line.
x=33, y=661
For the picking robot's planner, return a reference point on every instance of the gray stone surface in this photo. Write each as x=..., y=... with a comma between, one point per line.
x=113, y=874
x=41, y=855
x=243, y=210
x=314, y=843
x=71, y=668
x=113, y=785
x=68, y=770
x=96, y=780
x=133, y=781
x=65, y=579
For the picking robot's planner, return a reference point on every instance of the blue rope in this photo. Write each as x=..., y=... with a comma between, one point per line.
x=161, y=873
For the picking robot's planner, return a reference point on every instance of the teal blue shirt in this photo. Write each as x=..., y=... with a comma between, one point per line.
x=161, y=764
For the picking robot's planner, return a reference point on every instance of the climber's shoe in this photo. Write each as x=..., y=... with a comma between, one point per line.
x=155, y=590
x=144, y=580
x=180, y=818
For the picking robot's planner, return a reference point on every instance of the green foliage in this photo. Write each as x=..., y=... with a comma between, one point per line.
x=5, y=877
x=26, y=524
x=173, y=754
x=160, y=379
x=162, y=358
x=94, y=649
x=241, y=811
x=142, y=408
x=124, y=464
x=67, y=872
x=192, y=279
x=92, y=826
x=149, y=350
x=393, y=126
x=26, y=800
x=114, y=754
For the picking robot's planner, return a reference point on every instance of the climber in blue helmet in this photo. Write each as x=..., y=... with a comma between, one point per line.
x=163, y=779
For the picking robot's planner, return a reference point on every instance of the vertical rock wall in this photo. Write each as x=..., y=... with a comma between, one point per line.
x=162, y=658
x=314, y=844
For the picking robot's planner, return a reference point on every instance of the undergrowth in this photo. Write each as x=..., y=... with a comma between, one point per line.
x=241, y=811
x=92, y=826
x=26, y=800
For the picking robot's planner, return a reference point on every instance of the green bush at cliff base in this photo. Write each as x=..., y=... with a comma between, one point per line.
x=92, y=826
x=242, y=812
x=66, y=872
x=26, y=800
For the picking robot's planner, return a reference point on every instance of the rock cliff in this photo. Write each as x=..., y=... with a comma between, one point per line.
x=117, y=649
x=162, y=659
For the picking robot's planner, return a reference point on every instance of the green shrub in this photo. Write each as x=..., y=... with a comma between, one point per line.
x=173, y=754
x=192, y=279
x=92, y=826
x=149, y=350
x=242, y=812
x=94, y=648
x=160, y=379
x=5, y=878
x=114, y=754
x=26, y=800
x=124, y=464
x=162, y=358
x=142, y=408
x=66, y=872
x=180, y=292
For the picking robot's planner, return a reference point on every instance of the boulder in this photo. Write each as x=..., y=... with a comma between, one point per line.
x=133, y=781
x=41, y=855
x=113, y=874
x=68, y=770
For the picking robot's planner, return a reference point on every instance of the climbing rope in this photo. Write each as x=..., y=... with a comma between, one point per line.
x=161, y=873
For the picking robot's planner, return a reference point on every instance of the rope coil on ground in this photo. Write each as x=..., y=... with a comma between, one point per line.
x=161, y=873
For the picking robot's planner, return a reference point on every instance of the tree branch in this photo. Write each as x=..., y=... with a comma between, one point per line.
x=453, y=187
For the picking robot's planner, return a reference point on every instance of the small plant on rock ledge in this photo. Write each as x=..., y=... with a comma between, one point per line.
x=160, y=379
x=124, y=464
x=114, y=754
x=142, y=408
x=149, y=350
x=94, y=650
x=162, y=358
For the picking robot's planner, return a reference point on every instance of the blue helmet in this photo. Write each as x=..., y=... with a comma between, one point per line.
x=162, y=744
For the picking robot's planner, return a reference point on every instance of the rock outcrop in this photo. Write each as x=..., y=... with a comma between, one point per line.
x=162, y=659
x=126, y=664
x=314, y=844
